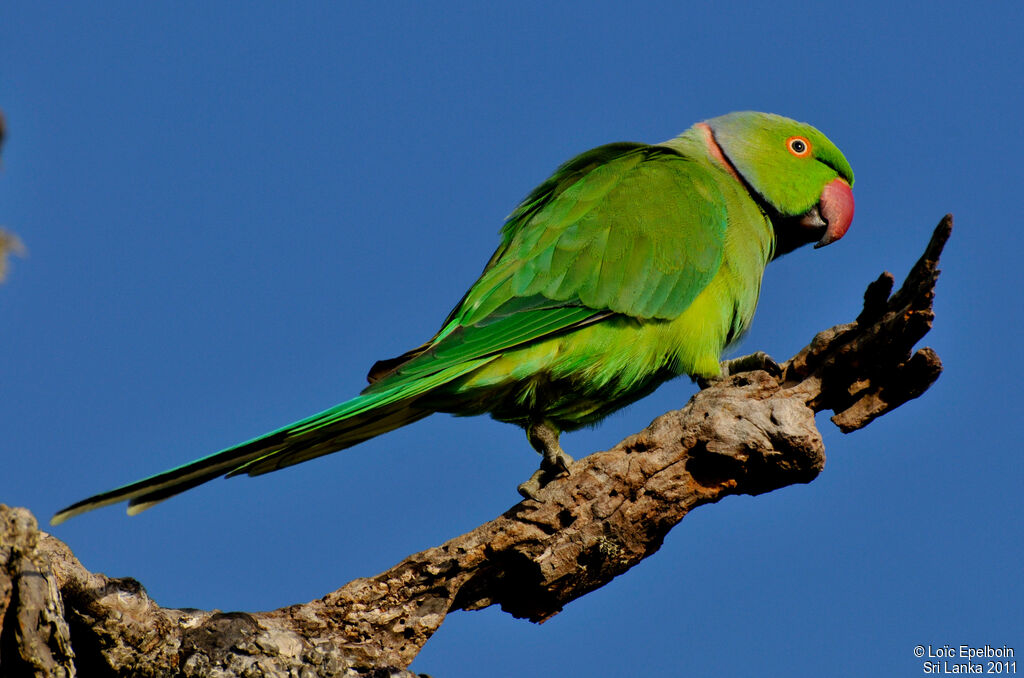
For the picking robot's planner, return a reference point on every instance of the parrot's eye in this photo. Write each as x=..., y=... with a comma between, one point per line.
x=798, y=146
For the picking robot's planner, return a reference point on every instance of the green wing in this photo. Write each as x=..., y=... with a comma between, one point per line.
x=640, y=234
x=623, y=229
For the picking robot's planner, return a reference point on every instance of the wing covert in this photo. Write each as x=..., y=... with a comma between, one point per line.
x=623, y=229
x=641, y=235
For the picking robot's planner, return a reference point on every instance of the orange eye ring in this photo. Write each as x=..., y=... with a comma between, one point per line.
x=798, y=146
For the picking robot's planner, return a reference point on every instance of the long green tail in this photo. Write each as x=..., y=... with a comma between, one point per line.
x=350, y=423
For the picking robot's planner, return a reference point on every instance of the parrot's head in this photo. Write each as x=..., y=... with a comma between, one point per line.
x=798, y=175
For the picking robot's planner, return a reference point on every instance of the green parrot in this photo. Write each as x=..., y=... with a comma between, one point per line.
x=631, y=265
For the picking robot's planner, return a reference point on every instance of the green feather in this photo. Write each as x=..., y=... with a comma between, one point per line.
x=630, y=265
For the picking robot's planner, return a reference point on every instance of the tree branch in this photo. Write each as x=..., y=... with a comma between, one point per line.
x=749, y=434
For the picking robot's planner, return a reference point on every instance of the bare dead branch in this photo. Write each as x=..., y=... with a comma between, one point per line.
x=749, y=434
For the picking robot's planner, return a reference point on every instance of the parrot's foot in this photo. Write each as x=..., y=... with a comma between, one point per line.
x=544, y=438
x=747, y=363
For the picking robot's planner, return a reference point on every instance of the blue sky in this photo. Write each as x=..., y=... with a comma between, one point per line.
x=232, y=210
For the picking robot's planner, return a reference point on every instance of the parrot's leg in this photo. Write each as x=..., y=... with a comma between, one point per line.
x=747, y=363
x=543, y=437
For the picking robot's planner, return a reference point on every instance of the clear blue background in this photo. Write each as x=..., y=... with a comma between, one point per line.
x=231, y=211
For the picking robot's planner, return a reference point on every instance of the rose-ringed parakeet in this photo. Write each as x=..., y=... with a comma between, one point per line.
x=631, y=265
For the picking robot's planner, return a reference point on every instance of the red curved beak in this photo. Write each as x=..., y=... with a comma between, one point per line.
x=836, y=207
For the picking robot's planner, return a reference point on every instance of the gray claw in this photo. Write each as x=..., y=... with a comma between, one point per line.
x=531, y=487
x=544, y=438
x=747, y=363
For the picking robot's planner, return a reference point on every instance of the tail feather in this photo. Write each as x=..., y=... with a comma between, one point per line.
x=357, y=430
x=352, y=422
x=271, y=457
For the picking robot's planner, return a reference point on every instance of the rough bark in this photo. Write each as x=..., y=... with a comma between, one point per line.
x=748, y=434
